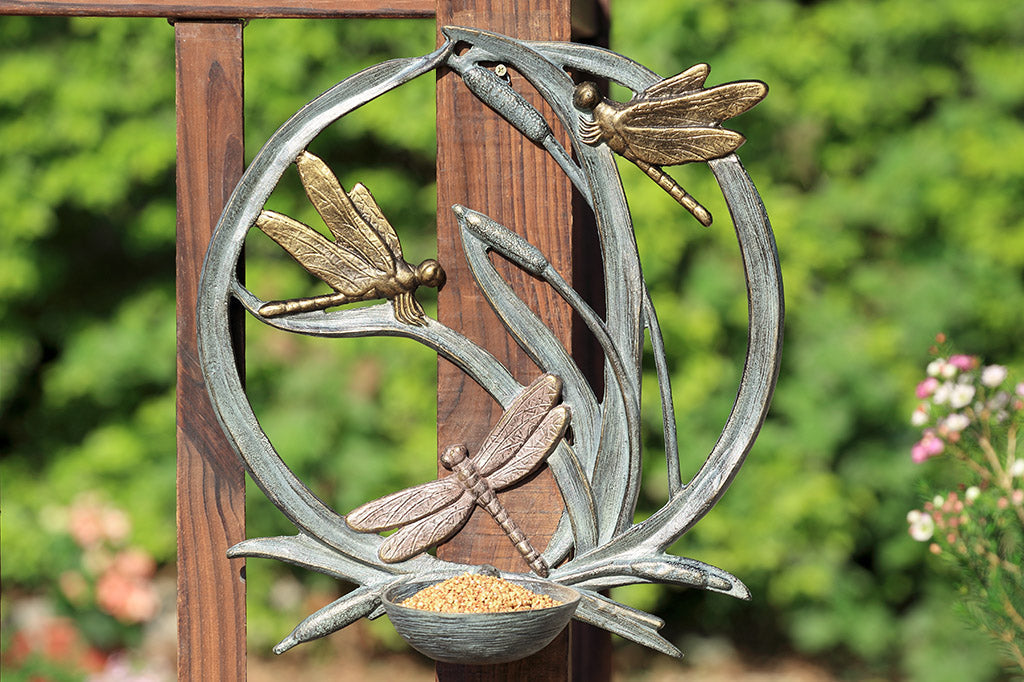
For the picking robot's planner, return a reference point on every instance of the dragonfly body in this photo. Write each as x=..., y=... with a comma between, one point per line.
x=672, y=122
x=364, y=261
x=397, y=287
x=430, y=513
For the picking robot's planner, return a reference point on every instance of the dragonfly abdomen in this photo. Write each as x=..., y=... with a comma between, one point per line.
x=674, y=189
x=304, y=305
x=484, y=494
x=497, y=510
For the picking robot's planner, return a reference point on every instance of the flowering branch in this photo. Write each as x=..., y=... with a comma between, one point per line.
x=967, y=412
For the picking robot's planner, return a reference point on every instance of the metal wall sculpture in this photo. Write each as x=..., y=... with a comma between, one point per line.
x=597, y=545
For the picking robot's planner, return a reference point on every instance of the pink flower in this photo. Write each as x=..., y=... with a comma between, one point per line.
x=927, y=387
x=125, y=590
x=932, y=443
x=90, y=522
x=963, y=362
x=135, y=563
x=929, y=446
x=917, y=453
x=127, y=598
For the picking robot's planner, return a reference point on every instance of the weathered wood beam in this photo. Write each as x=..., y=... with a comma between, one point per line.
x=226, y=9
x=211, y=483
x=486, y=165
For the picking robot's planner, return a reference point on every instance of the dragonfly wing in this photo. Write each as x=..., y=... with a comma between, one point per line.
x=344, y=270
x=518, y=422
x=339, y=213
x=691, y=79
x=370, y=210
x=697, y=108
x=671, y=147
x=425, y=533
x=534, y=451
x=405, y=506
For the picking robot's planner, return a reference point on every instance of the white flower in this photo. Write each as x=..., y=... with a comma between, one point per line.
x=920, y=416
x=961, y=396
x=934, y=368
x=942, y=393
x=938, y=501
x=948, y=370
x=922, y=526
x=993, y=375
x=956, y=422
x=971, y=494
x=1018, y=468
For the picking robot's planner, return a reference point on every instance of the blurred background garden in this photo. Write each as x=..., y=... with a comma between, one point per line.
x=889, y=154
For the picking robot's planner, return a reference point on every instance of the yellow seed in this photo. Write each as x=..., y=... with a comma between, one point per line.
x=472, y=593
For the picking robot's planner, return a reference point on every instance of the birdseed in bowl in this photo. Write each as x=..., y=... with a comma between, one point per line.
x=472, y=593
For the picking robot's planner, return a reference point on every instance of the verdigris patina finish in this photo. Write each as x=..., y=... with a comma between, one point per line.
x=597, y=545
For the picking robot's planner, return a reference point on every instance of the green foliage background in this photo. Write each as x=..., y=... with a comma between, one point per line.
x=890, y=156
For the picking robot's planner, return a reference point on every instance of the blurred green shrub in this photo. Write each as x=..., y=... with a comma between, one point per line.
x=890, y=155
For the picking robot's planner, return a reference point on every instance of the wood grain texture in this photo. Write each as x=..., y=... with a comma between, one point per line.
x=211, y=485
x=226, y=9
x=484, y=164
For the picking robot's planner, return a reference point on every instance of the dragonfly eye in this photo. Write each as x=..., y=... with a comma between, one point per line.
x=453, y=455
x=586, y=96
x=431, y=274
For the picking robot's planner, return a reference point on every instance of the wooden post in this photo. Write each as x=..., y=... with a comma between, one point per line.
x=211, y=483
x=481, y=163
x=486, y=165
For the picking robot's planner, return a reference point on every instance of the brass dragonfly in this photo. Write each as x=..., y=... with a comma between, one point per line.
x=672, y=122
x=430, y=513
x=365, y=259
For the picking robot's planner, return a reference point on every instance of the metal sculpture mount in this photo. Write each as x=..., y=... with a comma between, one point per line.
x=596, y=545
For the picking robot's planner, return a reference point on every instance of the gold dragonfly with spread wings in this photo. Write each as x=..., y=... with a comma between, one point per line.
x=363, y=262
x=674, y=121
x=430, y=513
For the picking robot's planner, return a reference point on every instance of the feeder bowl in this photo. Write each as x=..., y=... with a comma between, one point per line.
x=474, y=638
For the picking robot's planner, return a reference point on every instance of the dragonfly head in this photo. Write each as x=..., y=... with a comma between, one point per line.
x=431, y=274
x=451, y=457
x=586, y=96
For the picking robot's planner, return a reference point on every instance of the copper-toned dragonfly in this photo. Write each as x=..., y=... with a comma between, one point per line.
x=672, y=122
x=430, y=513
x=363, y=262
